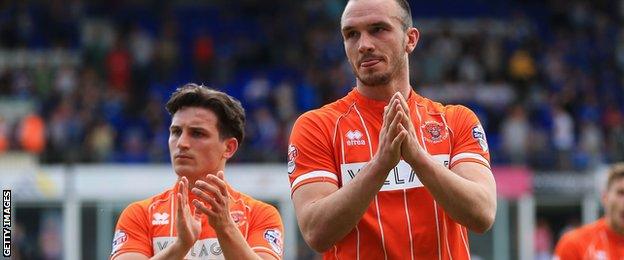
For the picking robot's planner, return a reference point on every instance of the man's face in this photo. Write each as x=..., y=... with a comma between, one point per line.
x=613, y=201
x=374, y=40
x=194, y=143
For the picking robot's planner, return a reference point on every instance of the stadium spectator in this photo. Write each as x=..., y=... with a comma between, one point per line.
x=378, y=175
x=118, y=66
x=515, y=131
x=31, y=133
x=201, y=210
x=203, y=56
x=562, y=136
x=100, y=141
x=591, y=145
x=50, y=236
x=543, y=240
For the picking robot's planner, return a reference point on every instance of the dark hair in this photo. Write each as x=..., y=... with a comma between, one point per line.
x=406, y=17
x=228, y=110
x=616, y=172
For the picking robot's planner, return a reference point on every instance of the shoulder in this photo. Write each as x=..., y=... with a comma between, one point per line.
x=458, y=117
x=578, y=235
x=318, y=123
x=143, y=206
x=462, y=119
x=326, y=114
x=449, y=110
x=138, y=206
x=591, y=228
x=258, y=206
x=458, y=111
x=432, y=106
x=259, y=211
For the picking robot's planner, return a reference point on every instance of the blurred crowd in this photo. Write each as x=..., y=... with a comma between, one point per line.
x=545, y=78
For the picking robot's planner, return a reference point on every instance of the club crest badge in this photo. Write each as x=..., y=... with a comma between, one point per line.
x=239, y=217
x=434, y=132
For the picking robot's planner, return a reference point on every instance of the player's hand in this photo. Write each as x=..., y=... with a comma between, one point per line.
x=390, y=137
x=213, y=192
x=411, y=149
x=187, y=224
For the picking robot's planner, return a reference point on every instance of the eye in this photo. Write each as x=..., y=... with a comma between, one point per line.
x=351, y=34
x=175, y=131
x=197, y=134
x=377, y=29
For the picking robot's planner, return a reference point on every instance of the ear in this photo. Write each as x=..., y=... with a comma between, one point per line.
x=603, y=198
x=412, y=39
x=231, y=145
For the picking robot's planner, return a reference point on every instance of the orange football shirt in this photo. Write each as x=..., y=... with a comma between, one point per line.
x=592, y=241
x=332, y=143
x=149, y=226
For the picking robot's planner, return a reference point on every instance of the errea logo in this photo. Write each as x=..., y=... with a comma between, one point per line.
x=160, y=219
x=355, y=138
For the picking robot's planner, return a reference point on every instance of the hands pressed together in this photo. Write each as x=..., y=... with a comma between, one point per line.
x=188, y=225
x=397, y=138
x=212, y=192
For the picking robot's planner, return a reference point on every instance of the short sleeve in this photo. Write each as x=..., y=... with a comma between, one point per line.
x=469, y=143
x=567, y=249
x=132, y=232
x=266, y=231
x=310, y=153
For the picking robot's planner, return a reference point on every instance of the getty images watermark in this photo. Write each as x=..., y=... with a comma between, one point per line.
x=6, y=223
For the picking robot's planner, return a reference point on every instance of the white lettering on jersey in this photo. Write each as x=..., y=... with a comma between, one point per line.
x=355, y=138
x=202, y=249
x=399, y=178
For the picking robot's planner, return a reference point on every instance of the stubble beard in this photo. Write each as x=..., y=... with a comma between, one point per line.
x=614, y=219
x=376, y=79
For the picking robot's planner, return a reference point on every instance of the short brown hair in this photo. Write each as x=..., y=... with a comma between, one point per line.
x=616, y=172
x=228, y=110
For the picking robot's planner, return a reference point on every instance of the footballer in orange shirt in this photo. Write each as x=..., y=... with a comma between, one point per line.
x=212, y=221
x=384, y=173
x=603, y=239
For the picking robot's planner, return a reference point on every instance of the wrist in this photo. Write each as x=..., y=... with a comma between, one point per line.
x=379, y=168
x=226, y=227
x=419, y=160
x=180, y=249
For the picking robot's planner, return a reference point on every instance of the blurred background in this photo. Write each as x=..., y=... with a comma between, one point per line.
x=83, y=130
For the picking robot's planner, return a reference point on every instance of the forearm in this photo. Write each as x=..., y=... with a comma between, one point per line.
x=174, y=251
x=331, y=218
x=233, y=244
x=470, y=203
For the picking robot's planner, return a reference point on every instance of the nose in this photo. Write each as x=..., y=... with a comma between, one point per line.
x=183, y=141
x=365, y=43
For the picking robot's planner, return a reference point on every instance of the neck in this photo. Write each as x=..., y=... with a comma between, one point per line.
x=399, y=83
x=614, y=227
x=192, y=178
x=383, y=92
